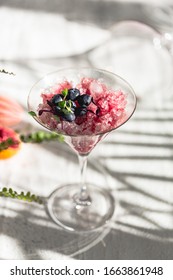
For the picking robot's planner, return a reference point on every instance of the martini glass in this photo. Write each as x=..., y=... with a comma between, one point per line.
x=81, y=207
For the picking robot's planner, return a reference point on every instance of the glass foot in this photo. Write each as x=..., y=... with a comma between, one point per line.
x=65, y=212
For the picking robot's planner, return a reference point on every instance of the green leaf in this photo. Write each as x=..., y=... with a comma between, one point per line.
x=26, y=197
x=10, y=190
x=28, y=194
x=40, y=136
x=62, y=104
x=60, y=138
x=65, y=92
x=32, y=113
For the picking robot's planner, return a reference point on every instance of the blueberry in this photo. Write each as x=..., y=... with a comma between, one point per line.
x=84, y=99
x=73, y=93
x=56, y=98
x=57, y=110
x=69, y=117
x=80, y=111
x=73, y=106
x=49, y=103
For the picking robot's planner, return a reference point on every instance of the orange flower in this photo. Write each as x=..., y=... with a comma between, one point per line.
x=10, y=112
x=10, y=142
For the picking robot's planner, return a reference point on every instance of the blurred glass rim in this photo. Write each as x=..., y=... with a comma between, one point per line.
x=134, y=28
x=133, y=42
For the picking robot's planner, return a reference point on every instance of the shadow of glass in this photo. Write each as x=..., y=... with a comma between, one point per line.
x=126, y=243
x=36, y=236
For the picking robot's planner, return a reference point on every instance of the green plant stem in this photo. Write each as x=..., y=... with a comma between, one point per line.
x=40, y=136
x=6, y=72
x=35, y=137
x=21, y=196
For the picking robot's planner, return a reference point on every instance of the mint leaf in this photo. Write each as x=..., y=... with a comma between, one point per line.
x=62, y=104
x=32, y=113
x=65, y=92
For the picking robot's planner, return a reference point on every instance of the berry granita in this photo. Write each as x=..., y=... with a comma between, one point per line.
x=85, y=109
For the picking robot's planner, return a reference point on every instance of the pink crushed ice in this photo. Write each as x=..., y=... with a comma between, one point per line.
x=112, y=105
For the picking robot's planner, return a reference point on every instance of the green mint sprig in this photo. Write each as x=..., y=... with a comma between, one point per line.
x=40, y=136
x=21, y=196
x=65, y=92
x=65, y=106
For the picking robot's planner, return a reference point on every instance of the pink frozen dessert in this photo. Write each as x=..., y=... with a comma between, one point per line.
x=88, y=108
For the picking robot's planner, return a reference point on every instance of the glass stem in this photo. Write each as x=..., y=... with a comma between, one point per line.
x=82, y=198
x=83, y=166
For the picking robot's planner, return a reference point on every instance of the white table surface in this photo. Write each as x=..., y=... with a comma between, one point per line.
x=135, y=162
